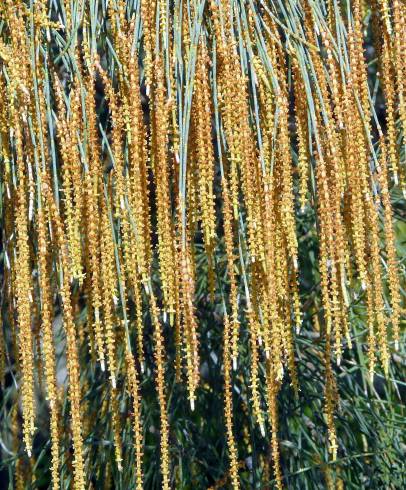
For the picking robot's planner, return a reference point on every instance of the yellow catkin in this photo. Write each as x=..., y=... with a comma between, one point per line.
x=95, y=282
x=255, y=395
x=16, y=106
x=109, y=289
x=133, y=383
x=277, y=339
x=330, y=402
x=227, y=87
x=205, y=156
x=355, y=187
x=139, y=323
x=392, y=262
x=134, y=387
x=72, y=351
x=388, y=85
x=161, y=176
x=272, y=390
x=117, y=121
x=287, y=189
x=178, y=338
x=270, y=310
x=325, y=230
x=148, y=18
x=301, y=127
x=92, y=187
x=228, y=404
x=331, y=179
x=372, y=345
x=23, y=289
x=75, y=126
x=191, y=342
x=47, y=338
x=295, y=310
x=229, y=243
x=67, y=126
x=205, y=159
x=138, y=175
x=376, y=280
x=399, y=27
x=115, y=418
x=159, y=352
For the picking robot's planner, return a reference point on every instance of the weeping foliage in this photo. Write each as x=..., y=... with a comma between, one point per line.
x=199, y=196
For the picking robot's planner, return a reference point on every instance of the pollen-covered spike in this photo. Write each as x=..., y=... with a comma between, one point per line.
x=108, y=289
x=67, y=127
x=48, y=346
x=228, y=404
x=392, y=261
x=301, y=130
x=272, y=388
x=187, y=310
x=229, y=243
x=330, y=403
x=255, y=395
x=161, y=169
x=23, y=290
x=159, y=353
x=134, y=386
x=72, y=349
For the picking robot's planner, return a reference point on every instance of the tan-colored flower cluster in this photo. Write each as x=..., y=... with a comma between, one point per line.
x=129, y=141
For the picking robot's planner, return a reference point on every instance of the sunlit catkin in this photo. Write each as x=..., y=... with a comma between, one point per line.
x=399, y=23
x=163, y=201
x=392, y=262
x=255, y=395
x=116, y=426
x=66, y=131
x=229, y=243
x=47, y=336
x=92, y=187
x=72, y=351
x=205, y=156
x=191, y=341
x=134, y=389
x=301, y=126
x=388, y=85
x=272, y=389
x=159, y=352
x=330, y=402
x=109, y=292
x=228, y=404
x=23, y=289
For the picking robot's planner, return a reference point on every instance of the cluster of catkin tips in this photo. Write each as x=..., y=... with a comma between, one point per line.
x=132, y=133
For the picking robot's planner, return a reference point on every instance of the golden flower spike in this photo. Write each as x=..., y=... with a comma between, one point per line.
x=228, y=404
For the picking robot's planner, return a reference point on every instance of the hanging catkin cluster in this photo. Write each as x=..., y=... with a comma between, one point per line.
x=132, y=133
